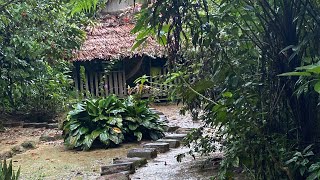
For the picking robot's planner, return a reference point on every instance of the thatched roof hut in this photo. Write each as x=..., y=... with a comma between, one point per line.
x=111, y=39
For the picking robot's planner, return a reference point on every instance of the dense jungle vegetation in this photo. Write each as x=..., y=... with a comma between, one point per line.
x=35, y=39
x=251, y=67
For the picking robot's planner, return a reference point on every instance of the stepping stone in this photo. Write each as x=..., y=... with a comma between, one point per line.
x=175, y=136
x=52, y=126
x=173, y=143
x=137, y=162
x=35, y=125
x=147, y=153
x=184, y=130
x=116, y=176
x=117, y=168
x=160, y=147
x=171, y=128
x=12, y=124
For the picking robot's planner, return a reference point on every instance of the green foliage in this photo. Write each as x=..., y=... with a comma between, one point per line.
x=110, y=121
x=309, y=76
x=7, y=172
x=227, y=56
x=300, y=160
x=35, y=39
x=314, y=171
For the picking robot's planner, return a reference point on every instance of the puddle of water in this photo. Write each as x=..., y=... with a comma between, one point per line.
x=166, y=167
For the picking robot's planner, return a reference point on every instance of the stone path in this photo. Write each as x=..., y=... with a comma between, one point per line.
x=137, y=157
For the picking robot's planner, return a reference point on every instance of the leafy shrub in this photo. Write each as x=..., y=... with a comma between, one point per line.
x=6, y=171
x=139, y=121
x=33, y=78
x=46, y=95
x=110, y=121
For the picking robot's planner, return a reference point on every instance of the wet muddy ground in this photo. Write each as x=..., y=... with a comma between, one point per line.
x=53, y=161
x=166, y=167
x=50, y=160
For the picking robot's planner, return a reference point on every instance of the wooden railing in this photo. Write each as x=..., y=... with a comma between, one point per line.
x=101, y=84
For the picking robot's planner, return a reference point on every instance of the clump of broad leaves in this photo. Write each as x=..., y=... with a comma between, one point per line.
x=110, y=121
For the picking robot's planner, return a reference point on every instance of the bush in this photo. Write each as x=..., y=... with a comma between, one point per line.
x=110, y=121
x=6, y=171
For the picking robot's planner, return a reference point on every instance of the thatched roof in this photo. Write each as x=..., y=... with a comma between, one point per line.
x=111, y=39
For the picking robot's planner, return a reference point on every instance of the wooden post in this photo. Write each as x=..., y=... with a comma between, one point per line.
x=87, y=90
x=120, y=74
x=106, y=86
x=125, y=83
x=96, y=83
x=110, y=84
x=91, y=84
x=76, y=81
x=116, y=85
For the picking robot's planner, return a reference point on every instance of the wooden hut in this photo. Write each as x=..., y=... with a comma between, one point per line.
x=106, y=64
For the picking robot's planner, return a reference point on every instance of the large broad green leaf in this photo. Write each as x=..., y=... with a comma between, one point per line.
x=96, y=133
x=295, y=74
x=317, y=87
x=104, y=136
x=92, y=108
x=130, y=119
x=115, y=139
x=146, y=124
x=74, y=126
x=133, y=127
x=79, y=107
x=105, y=103
x=73, y=140
x=87, y=142
x=138, y=134
x=138, y=43
x=100, y=118
x=82, y=130
x=310, y=68
x=114, y=120
x=117, y=111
